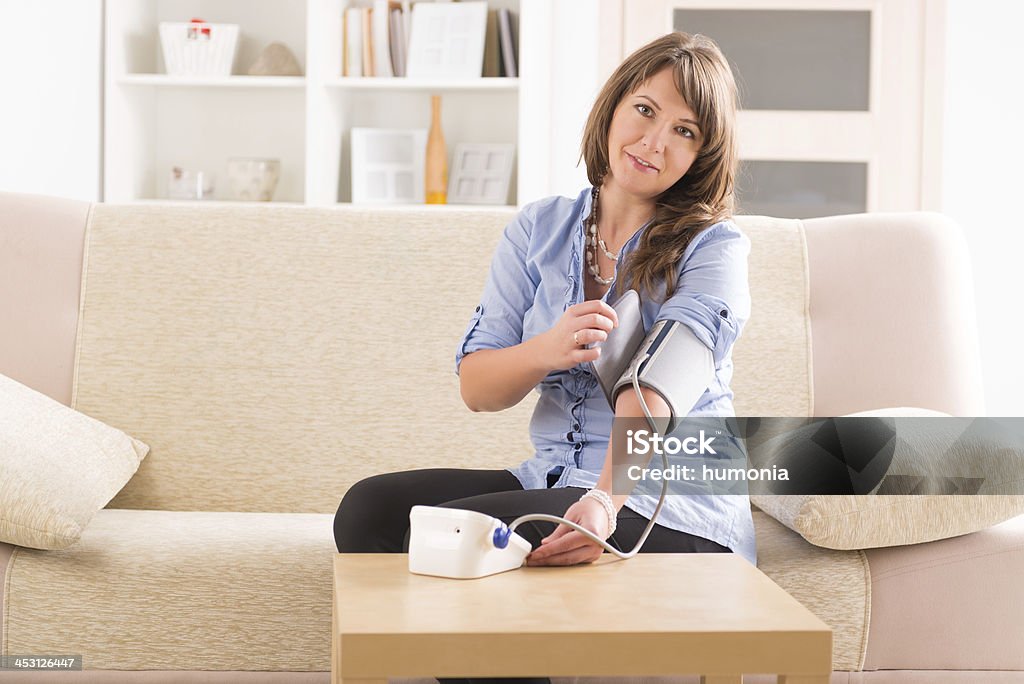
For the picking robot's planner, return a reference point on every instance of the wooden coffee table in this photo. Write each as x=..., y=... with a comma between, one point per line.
x=656, y=614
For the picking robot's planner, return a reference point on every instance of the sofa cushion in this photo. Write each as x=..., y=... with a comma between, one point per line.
x=947, y=446
x=160, y=590
x=57, y=468
x=276, y=361
x=780, y=325
x=954, y=604
x=834, y=585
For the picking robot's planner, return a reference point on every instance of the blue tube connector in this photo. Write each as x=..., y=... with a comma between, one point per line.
x=501, y=536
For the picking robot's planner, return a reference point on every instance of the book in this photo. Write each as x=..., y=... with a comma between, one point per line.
x=492, y=48
x=369, y=68
x=406, y=24
x=381, y=43
x=397, y=43
x=344, y=43
x=353, y=62
x=506, y=20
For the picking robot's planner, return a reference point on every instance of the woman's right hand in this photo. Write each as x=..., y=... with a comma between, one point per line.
x=580, y=325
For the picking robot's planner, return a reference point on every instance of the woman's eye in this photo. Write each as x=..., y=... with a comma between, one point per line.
x=685, y=132
x=644, y=109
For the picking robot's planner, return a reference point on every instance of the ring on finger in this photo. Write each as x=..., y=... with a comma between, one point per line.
x=576, y=338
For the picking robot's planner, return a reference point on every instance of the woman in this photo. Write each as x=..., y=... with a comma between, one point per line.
x=660, y=152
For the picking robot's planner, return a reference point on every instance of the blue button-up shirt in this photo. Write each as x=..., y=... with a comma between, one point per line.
x=536, y=274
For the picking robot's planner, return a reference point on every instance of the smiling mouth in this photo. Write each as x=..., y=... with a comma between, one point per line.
x=641, y=162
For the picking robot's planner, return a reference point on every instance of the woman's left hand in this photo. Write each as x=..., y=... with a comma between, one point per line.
x=566, y=546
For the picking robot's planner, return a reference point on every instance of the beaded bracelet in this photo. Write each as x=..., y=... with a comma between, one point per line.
x=605, y=500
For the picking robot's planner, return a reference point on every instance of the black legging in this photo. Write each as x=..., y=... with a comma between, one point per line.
x=374, y=517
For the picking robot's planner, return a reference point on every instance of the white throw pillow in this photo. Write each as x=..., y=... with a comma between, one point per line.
x=57, y=468
x=870, y=521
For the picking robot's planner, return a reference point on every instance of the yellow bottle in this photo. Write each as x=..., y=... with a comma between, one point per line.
x=436, y=180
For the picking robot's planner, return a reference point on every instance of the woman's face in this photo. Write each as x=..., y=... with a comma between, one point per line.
x=653, y=138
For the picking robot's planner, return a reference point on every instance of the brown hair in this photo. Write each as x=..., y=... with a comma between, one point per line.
x=705, y=195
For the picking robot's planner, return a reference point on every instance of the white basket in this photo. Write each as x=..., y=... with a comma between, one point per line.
x=198, y=48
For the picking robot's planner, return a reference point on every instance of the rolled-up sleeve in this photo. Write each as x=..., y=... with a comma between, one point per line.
x=712, y=296
x=497, y=322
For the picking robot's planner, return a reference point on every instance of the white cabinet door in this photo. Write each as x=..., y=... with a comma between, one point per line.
x=832, y=96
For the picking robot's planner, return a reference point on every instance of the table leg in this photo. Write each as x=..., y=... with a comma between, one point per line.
x=336, y=677
x=804, y=679
x=335, y=671
x=721, y=679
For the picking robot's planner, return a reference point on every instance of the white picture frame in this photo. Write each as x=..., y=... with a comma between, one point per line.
x=481, y=173
x=388, y=165
x=447, y=40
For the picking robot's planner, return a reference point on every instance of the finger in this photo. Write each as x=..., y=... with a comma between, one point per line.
x=596, y=306
x=571, y=540
x=587, y=554
x=584, y=355
x=572, y=558
x=608, y=311
x=590, y=335
x=559, y=532
x=596, y=321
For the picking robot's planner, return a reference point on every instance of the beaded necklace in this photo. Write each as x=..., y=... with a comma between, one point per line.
x=594, y=240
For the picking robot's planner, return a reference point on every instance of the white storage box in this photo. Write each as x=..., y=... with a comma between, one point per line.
x=198, y=49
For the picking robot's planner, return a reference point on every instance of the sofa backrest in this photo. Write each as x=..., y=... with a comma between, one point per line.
x=271, y=356
x=41, y=243
x=893, y=315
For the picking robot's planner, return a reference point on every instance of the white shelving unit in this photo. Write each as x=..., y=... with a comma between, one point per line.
x=153, y=121
x=423, y=84
x=166, y=81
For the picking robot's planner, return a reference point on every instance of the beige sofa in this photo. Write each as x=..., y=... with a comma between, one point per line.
x=271, y=356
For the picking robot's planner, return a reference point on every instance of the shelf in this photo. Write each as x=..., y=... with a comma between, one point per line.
x=163, y=80
x=342, y=205
x=427, y=207
x=418, y=84
x=212, y=202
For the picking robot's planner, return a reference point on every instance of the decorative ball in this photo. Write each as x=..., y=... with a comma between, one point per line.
x=276, y=60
